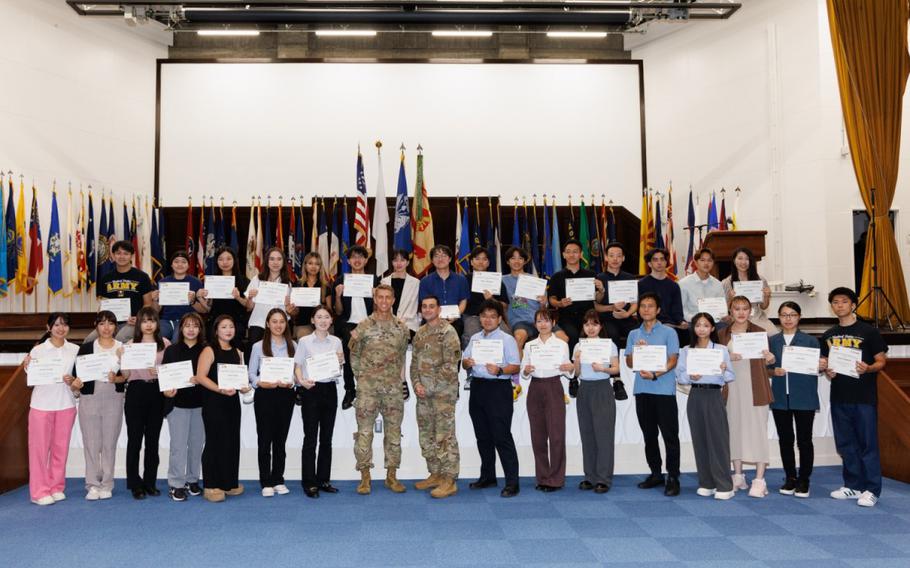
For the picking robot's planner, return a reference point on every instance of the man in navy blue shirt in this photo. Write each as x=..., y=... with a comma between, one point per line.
x=660, y=283
x=451, y=289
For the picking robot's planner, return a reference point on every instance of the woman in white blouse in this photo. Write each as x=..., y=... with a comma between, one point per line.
x=406, y=290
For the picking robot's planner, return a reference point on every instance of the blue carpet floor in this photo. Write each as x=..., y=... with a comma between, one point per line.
x=566, y=528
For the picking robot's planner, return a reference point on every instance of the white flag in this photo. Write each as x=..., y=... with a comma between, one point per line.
x=380, y=225
x=251, y=244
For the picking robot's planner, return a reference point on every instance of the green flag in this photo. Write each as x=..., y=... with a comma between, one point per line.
x=584, y=237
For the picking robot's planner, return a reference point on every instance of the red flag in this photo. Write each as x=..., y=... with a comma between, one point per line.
x=134, y=225
x=201, y=242
x=723, y=212
x=190, y=240
x=36, y=251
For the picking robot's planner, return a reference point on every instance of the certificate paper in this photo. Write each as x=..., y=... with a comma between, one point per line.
x=485, y=351
x=46, y=371
x=750, y=345
x=547, y=357
x=625, y=291
x=704, y=361
x=358, y=285
x=751, y=289
x=271, y=293
x=306, y=297
x=449, y=311
x=175, y=376
x=174, y=293
x=580, y=289
x=275, y=370
x=649, y=358
x=530, y=287
x=94, y=367
x=120, y=306
x=323, y=366
x=220, y=287
x=596, y=350
x=486, y=281
x=717, y=307
x=138, y=356
x=802, y=360
x=843, y=360
x=233, y=376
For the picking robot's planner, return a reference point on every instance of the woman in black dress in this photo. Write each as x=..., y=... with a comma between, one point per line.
x=236, y=306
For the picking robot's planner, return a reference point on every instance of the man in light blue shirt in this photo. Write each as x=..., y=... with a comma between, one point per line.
x=700, y=284
x=655, y=395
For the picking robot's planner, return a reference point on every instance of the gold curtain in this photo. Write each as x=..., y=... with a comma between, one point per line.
x=870, y=53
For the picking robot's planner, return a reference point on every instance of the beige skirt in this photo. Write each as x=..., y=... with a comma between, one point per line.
x=748, y=423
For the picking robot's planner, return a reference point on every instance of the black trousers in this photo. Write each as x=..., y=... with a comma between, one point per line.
x=618, y=329
x=658, y=414
x=490, y=407
x=344, y=330
x=144, y=414
x=572, y=328
x=784, y=420
x=274, y=409
x=318, y=408
x=254, y=334
x=221, y=454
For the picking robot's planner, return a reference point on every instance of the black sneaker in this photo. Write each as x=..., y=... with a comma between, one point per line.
x=802, y=489
x=348, y=400
x=193, y=489
x=653, y=480
x=138, y=494
x=586, y=485
x=177, y=494
x=789, y=487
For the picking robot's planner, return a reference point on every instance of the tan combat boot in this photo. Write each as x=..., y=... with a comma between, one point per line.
x=364, y=487
x=428, y=483
x=392, y=482
x=235, y=491
x=213, y=495
x=446, y=488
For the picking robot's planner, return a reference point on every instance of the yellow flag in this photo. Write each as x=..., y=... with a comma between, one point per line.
x=21, y=260
x=643, y=232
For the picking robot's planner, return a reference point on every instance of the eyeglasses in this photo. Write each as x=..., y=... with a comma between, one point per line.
x=788, y=316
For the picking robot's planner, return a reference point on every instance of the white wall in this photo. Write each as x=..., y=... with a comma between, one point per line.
x=753, y=102
x=77, y=104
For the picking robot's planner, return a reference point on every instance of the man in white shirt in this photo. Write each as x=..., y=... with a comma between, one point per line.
x=700, y=284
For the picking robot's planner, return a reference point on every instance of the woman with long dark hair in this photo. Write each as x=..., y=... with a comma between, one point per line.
x=744, y=269
x=275, y=269
x=237, y=306
x=313, y=277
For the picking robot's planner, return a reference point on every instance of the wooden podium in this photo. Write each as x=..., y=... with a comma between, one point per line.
x=723, y=243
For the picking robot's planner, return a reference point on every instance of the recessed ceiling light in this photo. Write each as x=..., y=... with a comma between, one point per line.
x=578, y=35
x=227, y=32
x=348, y=33
x=462, y=33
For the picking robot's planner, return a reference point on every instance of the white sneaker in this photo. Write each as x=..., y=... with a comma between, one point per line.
x=705, y=492
x=724, y=495
x=759, y=488
x=58, y=496
x=46, y=500
x=867, y=499
x=739, y=481
x=282, y=489
x=268, y=492
x=93, y=494
x=845, y=493
x=104, y=494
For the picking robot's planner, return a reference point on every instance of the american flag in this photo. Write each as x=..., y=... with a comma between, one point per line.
x=362, y=211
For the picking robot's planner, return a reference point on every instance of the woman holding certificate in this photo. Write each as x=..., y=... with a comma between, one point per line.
x=546, y=360
x=319, y=401
x=222, y=372
x=313, y=277
x=272, y=374
x=52, y=410
x=749, y=396
x=705, y=366
x=273, y=287
x=101, y=406
x=172, y=312
x=231, y=303
x=406, y=290
x=795, y=391
x=144, y=406
x=745, y=281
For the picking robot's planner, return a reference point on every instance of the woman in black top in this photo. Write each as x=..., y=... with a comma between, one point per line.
x=313, y=277
x=220, y=415
x=237, y=306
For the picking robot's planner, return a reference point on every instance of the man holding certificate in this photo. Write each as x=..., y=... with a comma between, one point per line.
x=492, y=358
x=572, y=307
x=174, y=309
x=378, y=347
x=655, y=392
x=483, y=286
x=434, y=376
x=615, y=311
x=126, y=282
x=702, y=286
x=855, y=353
x=452, y=289
x=658, y=282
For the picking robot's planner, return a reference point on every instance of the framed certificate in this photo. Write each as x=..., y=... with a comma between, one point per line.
x=138, y=356
x=306, y=297
x=120, y=306
x=717, y=307
x=530, y=287
x=625, y=291
x=485, y=351
x=45, y=371
x=220, y=287
x=649, y=358
x=275, y=370
x=802, y=360
x=580, y=289
x=844, y=359
x=547, y=357
x=704, y=361
x=271, y=293
x=751, y=289
x=233, y=376
x=323, y=366
x=449, y=311
x=175, y=376
x=750, y=345
x=597, y=350
x=174, y=293
x=95, y=367
x=358, y=285
x=486, y=281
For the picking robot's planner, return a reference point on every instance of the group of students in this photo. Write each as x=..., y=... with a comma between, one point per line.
x=727, y=412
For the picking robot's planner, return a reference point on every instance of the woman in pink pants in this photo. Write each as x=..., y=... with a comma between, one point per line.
x=51, y=415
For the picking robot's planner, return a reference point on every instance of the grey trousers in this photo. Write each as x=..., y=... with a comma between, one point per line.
x=187, y=440
x=100, y=419
x=597, y=426
x=710, y=438
x=125, y=332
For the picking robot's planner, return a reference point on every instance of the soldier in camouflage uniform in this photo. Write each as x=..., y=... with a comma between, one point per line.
x=378, y=346
x=434, y=375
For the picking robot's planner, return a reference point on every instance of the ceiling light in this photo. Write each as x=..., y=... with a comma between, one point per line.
x=461, y=33
x=227, y=32
x=348, y=33
x=578, y=35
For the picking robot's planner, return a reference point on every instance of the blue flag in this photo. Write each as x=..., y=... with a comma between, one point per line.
x=712, y=214
x=4, y=285
x=547, y=260
x=127, y=234
x=658, y=230
x=402, y=226
x=157, y=255
x=555, y=247
x=596, y=249
x=12, y=251
x=690, y=224
x=346, y=237
x=267, y=235
x=54, y=248
x=219, y=228
x=534, y=246
x=516, y=234
x=462, y=264
x=103, y=250
x=91, y=265
x=210, y=240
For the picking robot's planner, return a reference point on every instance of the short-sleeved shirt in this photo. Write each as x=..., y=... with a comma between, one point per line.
x=58, y=396
x=587, y=370
x=682, y=374
x=659, y=335
x=862, y=336
x=132, y=284
x=693, y=288
x=557, y=288
x=509, y=353
x=606, y=277
x=311, y=345
x=450, y=291
x=521, y=310
x=173, y=313
x=476, y=299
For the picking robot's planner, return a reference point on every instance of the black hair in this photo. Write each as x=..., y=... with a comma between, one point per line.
x=593, y=316
x=707, y=251
x=615, y=244
x=575, y=242
x=478, y=251
x=123, y=245
x=693, y=339
x=650, y=254
x=181, y=253
x=752, y=273
x=105, y=315
x=843, y=291
x=235, y=341
x=52, y=321
x=650, y=296
x=283, y=273
x=235, y=267
x=149, y=313
x=792, y=305
x=548, y=314
x=200, y=339
x=267, y=338
x=396, y=253
x=493, y=305
x=431, y=297
x=358, y=249
x=442, y=248
x=510, y=252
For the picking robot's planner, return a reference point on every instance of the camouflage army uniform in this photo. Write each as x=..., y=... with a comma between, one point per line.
x=434, y=364
x=378, y=351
